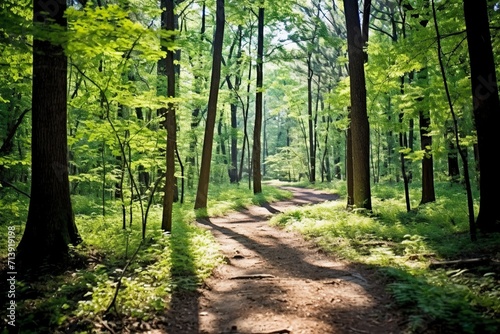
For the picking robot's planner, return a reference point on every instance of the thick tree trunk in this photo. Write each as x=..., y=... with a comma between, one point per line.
x=360, y=131
x=257, y=176
x=50, y=226
x=206, y=158
x=486, y=107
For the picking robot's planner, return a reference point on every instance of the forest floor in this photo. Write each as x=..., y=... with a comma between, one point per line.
x=274, y=281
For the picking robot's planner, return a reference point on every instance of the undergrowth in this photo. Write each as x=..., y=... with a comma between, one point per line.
x=402, y=245
x=156, y=267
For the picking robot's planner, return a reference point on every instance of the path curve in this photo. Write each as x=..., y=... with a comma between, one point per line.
x=276, y=282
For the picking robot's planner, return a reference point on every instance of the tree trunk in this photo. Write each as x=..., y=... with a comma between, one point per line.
x=203, y=181
x=265, y=151
x=453, y=166
x=428, y=193
x=257, y=176
x=360, y=131
x=246, y=108
x=221, y=144
x=325, y=161
x=195, y=114
x=486, y=107
x=348, y=165
x=310, y=120
x=50, y=226
x=167, y=68
x=403, y=143
x=233, y=169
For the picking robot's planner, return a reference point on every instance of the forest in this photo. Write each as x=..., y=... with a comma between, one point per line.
x=126, y=123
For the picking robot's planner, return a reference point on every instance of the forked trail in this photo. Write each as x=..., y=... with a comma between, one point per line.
x=275, y=282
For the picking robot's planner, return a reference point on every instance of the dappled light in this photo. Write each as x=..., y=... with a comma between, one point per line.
x=249, y=167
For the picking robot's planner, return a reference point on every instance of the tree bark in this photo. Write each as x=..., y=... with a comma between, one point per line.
x=196, y=116
x=310, y=119
x=348, y=165
x=486, y=106
x=203, y=181
x=50, y=226
x=168, y=23
x=233, y=169
x=428, y=193
x=453, y=166
x=360, y=131
x=257, y=176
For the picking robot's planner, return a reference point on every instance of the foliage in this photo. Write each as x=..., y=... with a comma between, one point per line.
x=402, y=245
x=164, y=264
x=116, y=136
x=227, y=198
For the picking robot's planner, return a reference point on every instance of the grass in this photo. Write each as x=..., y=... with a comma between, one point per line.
x=225, y=198
x=164, y=264
x=402, y=245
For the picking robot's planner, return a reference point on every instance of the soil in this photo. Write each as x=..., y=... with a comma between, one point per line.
x=274, y=281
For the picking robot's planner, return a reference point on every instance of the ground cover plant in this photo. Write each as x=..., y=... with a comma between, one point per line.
x=110, y=109
x=117, y=277
x=409, y=248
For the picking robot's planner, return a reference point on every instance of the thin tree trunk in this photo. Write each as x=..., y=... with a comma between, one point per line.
x=233, y=169
x=404, y=173
x=195, y=114
x=203, y=181
x=264, y=141
x=453, y=166
x=312, y=155
x=349, y=166
x=246, y=108
x=428, y=193
x=256, y=168
x=325, y=163
x=463, y=155
x=168, y=23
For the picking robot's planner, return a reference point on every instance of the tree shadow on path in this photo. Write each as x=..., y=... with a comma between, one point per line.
x=275, y=281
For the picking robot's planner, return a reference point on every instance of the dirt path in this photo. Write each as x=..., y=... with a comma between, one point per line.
x=275, y=282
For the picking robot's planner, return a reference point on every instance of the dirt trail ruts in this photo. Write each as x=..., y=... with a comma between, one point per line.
x=276, y=282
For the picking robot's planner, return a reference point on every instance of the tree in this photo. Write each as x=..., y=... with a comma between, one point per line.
x=257, y=176
x=234, y=88
x=198, y=110
x=168, y=23
x=360, y=131
x=50, y=226
x=486, y=106
x=202, y=193
x=428, y=194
